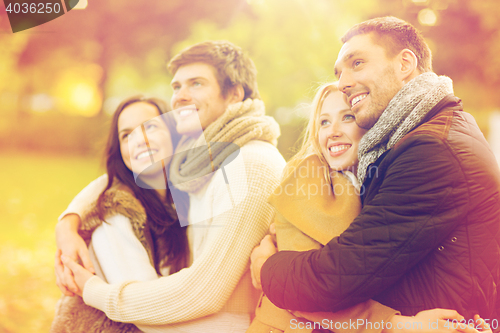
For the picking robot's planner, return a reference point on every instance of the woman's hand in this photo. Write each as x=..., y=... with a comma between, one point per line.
x=430, y=321
x=80, y=274
x=258, y=258
x=72, y=245
x=481, y=325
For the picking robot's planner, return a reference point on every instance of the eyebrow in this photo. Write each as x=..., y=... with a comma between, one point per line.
x=341, y=111
x=191, y=79
x=345, y=59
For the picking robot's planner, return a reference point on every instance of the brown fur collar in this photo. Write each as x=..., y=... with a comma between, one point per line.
x=72, y=314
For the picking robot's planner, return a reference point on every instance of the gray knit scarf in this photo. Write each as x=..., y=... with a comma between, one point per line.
x=195, y=160
x=405, y=112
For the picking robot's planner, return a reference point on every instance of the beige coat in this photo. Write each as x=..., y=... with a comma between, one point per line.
x=308, y=215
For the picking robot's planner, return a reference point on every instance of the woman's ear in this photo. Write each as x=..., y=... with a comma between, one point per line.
x=408, y=63
x=236, y=94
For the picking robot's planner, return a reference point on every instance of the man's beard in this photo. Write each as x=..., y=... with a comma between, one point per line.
x=385, y=91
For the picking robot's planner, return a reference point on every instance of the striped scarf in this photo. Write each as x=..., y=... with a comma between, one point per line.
x=405, y=112
x=196, y=160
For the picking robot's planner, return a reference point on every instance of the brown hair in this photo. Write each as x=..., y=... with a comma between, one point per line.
x=395, y=35
x=166, y=237
x=232, y=66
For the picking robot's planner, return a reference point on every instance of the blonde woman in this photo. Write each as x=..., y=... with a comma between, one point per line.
x=317, y=200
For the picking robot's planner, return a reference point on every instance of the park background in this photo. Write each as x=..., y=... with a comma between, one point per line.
x=59, y=83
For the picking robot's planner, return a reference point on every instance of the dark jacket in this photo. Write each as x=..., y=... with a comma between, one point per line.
x=428, y=234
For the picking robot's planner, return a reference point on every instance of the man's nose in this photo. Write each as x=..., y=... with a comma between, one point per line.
x=181, y=95
x=346, y=82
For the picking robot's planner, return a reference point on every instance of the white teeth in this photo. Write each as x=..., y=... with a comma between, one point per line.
x=146, y=153
x=335, y=149
x=357, y=99
x=185, y=113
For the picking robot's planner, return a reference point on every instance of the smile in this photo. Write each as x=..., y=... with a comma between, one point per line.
x=339, y=148
x=146, y=153
x=186, y=111
x=357, y=99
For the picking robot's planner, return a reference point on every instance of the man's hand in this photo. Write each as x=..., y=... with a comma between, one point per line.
x=258, y=258
x=80, y=274
x=72, y=245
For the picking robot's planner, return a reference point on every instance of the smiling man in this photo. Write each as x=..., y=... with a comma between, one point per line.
x=228, y=163
x=428, y=234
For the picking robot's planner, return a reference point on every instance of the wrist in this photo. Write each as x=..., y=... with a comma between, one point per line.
x=68, y=224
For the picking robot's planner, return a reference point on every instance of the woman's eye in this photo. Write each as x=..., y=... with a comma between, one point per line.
x=324, y=122
x=349, y=117
x=196, y=84
x=124, y=136
x=150, y=127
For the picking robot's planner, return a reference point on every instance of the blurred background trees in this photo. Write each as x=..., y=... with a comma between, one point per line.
x=59, y=81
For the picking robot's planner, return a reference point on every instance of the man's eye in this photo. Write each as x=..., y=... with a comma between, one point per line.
x=176, y=88
x=357, y=63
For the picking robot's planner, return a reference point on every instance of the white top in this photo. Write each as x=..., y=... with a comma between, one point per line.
x=220, y=246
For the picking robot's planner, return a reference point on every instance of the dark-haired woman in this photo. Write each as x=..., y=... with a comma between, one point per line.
x=141, y=238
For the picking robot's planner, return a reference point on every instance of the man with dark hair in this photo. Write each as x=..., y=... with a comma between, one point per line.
x=428, y=235
x=228, y=163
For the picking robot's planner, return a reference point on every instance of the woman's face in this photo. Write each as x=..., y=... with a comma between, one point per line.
x=144, y=139
x=339, y=135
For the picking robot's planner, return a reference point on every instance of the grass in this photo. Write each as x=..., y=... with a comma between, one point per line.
x=35, y=189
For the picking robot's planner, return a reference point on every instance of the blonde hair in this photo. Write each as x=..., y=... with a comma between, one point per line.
x=310, y=141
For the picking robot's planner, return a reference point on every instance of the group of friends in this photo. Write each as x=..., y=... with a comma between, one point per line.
x=386, y=219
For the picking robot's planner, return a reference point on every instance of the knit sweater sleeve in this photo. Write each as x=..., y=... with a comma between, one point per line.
x=204, y=287
x=83, y=201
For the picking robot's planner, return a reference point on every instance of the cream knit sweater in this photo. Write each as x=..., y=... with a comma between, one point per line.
x=218, y=279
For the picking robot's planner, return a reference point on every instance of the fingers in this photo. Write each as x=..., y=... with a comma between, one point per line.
x=272, y=229
x=85, y=258
x=267, y=241
x=450, y=314
x=68, y=277
x=255, y=281
x=481, y=324
x=464, y=328
x=70, y=263
x=59, y=270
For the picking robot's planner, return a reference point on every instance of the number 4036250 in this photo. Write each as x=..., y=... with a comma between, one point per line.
x=34, y=8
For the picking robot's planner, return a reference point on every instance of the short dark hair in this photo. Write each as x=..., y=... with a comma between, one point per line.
x=232, y=66
x=395, y=35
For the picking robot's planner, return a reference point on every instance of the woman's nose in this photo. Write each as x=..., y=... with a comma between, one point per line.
x=138, y=138
x=334, y=131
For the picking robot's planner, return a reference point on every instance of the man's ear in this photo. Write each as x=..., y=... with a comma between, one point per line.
x=236, y=94
x=407, y=65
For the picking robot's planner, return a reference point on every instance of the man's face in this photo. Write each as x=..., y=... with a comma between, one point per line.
x=367, y=78
x=196, y=84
